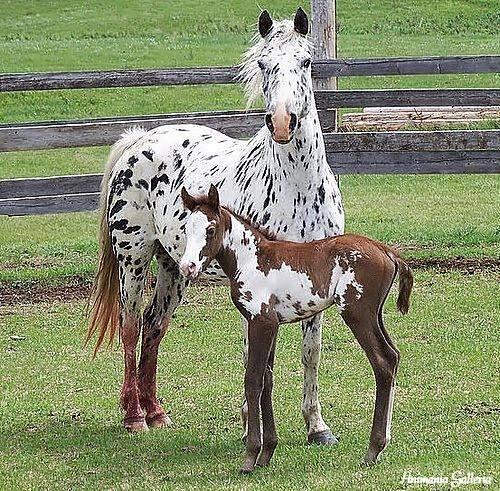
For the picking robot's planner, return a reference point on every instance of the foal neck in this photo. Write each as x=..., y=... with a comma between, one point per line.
x=240, y=242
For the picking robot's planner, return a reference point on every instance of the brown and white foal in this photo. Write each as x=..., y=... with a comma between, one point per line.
x=275, y=282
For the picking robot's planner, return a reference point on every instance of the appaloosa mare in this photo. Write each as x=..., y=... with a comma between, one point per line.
x=275, y=282
x=279, y=178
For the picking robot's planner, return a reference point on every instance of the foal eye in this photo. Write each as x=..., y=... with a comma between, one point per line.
x=306, y=63
x=210, y=232
x=261, y=64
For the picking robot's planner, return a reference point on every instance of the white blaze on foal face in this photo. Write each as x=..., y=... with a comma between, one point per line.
x=199, y=232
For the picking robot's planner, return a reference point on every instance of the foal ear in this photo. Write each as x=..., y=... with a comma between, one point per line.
x=265, y=23
x=213, y=197
x=301, y=23
x=188, y=200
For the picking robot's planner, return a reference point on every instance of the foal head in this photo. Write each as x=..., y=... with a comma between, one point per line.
x=280, y=65
x=205, y=228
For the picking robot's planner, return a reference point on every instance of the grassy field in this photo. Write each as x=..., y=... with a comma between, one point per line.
x=60, y=422
x=433, y=216
x=59, y=417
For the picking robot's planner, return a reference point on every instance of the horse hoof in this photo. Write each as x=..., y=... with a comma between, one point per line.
x=159, y=421
x=135, y=426
x=247, y=469
x=244, y=439
x=325, y=437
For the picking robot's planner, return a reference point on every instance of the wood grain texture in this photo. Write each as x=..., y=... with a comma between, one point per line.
x=105, y=131
x=322, y=68
x=407, y=98
x=49, y=204
x=423, y=65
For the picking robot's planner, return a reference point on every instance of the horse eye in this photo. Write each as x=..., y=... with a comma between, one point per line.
x=306, y=63
x=261, y=64
x=210, y=232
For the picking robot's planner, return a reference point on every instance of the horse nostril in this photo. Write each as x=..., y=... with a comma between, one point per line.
x=191, y=267
x=293, y=121
x=269, y=123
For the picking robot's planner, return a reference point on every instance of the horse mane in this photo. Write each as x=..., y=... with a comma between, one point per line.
x=249, y=72
x=264, y=231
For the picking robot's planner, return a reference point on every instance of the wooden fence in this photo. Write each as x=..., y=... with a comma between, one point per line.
x=472, y=151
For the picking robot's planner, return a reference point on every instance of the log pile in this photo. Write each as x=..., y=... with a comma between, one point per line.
x=400, y=118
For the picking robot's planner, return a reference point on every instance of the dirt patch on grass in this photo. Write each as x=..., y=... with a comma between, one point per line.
x=30, y=293
x=465, y=266
x=78, y=288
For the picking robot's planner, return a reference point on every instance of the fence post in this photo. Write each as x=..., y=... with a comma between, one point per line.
x=324, y=37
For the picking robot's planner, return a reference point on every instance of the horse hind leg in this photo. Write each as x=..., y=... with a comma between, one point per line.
x=132, y=270
x=167, y=296
x=384, y=359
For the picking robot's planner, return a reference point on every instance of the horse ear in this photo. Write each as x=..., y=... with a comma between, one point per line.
x=301, y=23
x=187, y=199
x=265, y=23
x=213, y=197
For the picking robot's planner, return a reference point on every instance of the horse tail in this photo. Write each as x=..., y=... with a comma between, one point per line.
x=104, y=301
x=405, y=286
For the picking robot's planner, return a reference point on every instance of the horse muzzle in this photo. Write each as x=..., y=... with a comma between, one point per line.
x=281, y=125
x=189, y=270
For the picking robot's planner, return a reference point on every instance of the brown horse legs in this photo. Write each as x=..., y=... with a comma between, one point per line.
x=270, y=437
x=261, y=337
x=384, y=359
x=129, y=331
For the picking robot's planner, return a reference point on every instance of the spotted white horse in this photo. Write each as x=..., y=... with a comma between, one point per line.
x=280, y=178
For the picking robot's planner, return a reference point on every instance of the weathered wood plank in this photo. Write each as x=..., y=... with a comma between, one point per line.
x=49, y=186
x=49, y=204
x=94, y=132
x=105, y=131
x=452, y=162
x=225, y=75
x=407, y=98
x=414, y=141
x=423, y=65
x=117, y=78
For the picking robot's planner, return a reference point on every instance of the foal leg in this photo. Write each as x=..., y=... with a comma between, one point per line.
x=261, y=335
x=270, y=437
x=317, y=429
x=167, y=296
x=384, y=359
x=244, y=406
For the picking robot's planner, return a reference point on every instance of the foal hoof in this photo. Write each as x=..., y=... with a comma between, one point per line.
x=160, y=420
x=325, y=437
x=135, y=426
x=247, y=469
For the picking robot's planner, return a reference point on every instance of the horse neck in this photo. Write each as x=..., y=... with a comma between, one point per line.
x=303, y=160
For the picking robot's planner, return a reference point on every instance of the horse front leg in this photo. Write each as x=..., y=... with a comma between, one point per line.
x=244, y=406
x=317, y=429
x=261, y=335
x=270, y=437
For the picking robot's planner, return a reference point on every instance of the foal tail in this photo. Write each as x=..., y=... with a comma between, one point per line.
x=405, y=285
x=104, y=302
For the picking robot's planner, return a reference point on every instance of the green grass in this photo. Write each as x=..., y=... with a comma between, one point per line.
x=60, y=422
x=431, y=216
x=435, y=216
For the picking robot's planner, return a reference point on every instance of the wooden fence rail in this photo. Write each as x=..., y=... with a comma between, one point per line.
x=226, y=75
x=347, y=153
x=104, y=131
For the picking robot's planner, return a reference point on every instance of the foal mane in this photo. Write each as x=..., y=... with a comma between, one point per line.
x=264, y=231
x=282, y=32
